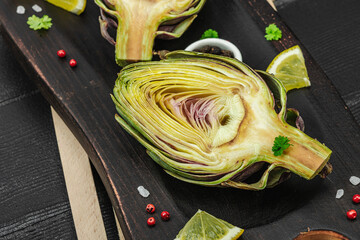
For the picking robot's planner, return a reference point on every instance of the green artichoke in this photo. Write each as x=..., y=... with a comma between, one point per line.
x=139, y=22
x=212, y=120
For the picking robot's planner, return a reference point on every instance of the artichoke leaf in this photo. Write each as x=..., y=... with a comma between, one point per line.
x=175, y=31
x=294, y=119
x=278, y=91
x=292, y=116
x=211, y=120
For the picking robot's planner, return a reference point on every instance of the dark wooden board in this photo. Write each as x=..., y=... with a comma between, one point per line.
x=81, y=97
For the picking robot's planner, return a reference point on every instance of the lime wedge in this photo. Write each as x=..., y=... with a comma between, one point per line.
x=74, y=6
x=203, y=226
x=289, y=67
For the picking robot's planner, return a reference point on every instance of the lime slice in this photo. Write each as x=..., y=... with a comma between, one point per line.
x=74, y=6
x=203, y=226
x=289, y=67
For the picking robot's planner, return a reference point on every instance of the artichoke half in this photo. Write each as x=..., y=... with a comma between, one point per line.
x=139, y=22
x=212, y=120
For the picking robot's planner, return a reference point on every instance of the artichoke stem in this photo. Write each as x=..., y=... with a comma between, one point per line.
x=306, y=156
x=134, y=42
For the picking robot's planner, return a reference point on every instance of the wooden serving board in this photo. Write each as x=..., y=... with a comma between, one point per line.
x=81, y=97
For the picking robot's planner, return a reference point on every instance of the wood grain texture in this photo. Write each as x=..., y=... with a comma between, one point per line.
x=33, y=199
x=79, y=184
x=81, y=97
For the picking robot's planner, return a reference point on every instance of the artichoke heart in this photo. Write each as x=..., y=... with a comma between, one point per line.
x=212, y=120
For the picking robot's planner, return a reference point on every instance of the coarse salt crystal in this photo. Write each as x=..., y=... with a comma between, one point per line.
x=36, y=8
x=20, y=9
x=354, y=180
x=339, y=193
x=143, y=191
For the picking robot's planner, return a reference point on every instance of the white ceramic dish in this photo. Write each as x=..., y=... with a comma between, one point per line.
x=217, y=42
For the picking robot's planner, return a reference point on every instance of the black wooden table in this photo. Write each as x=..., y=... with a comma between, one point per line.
x=33, y=199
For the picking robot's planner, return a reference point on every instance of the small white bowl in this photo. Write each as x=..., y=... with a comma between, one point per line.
x=216, y=42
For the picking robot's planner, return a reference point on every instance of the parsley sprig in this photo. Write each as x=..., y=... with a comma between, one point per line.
x=210, y=33
x=273, y=32
x=280, y=144
x=37, y=23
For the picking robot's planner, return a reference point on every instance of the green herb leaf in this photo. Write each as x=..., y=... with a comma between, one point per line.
x=210, y=33
x=273, y=32
x=280, y=144
x=37, y=23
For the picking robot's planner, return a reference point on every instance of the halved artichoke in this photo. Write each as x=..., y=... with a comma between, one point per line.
x=139, y=22
x=212, y=120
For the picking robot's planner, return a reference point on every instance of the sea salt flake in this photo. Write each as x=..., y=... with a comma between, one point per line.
x=20, y=9
x=143, y=191
x=36, y=8
x=354, y=180
x=339, y=193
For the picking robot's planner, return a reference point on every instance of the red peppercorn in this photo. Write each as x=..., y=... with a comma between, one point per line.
x=356, y=198
x=151, y=221
x=72, y=63
x=61, y=53
x=165, y=215
x=351, y=214
x=150, y=208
